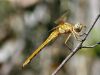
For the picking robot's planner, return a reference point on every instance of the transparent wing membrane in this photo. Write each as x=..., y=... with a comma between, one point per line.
x=63, y=18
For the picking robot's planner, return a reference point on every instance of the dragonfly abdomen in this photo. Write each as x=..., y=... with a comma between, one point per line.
x=52, y=36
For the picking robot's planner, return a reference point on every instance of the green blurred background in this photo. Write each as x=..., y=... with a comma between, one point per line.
x=25, y=24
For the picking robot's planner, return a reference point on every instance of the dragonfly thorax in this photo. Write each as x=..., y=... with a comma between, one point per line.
x=64, y=28
x=61, y=30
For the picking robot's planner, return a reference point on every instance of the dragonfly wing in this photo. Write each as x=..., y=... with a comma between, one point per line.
x=62, y=18
x=67, y=38
x=68, y=42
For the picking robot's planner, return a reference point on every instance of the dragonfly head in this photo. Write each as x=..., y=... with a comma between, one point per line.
x=78, y=27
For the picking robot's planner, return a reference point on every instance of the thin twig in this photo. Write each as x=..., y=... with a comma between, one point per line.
x=79, y=46
x=91, y=46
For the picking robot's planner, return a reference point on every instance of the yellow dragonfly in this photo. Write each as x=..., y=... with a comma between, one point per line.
x=62, y=28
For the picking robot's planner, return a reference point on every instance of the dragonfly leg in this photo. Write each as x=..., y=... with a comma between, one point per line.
x=79, y=34
x=82, y=34
x=67, y=38
x=76, y=37
x=68, y=47
x=66, y=42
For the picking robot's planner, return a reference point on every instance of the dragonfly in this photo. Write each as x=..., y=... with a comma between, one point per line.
x=61, y=28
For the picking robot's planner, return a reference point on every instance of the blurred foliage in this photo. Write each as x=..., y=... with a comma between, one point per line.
x=6, y=9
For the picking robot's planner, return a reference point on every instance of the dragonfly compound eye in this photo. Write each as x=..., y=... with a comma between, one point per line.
x=78, y=27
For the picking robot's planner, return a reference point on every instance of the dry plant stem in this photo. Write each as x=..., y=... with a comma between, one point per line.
x=91, y=46
x=79, y=46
